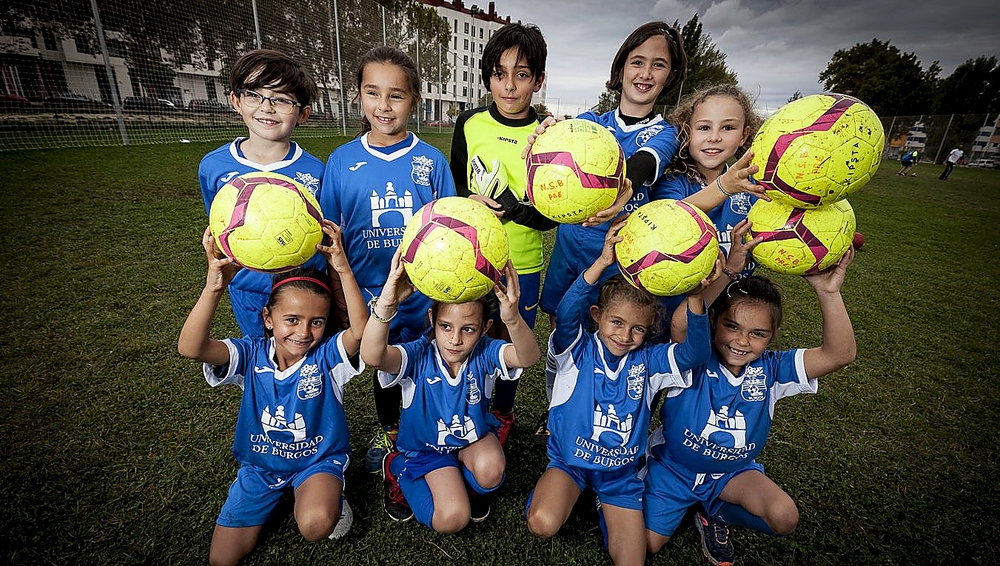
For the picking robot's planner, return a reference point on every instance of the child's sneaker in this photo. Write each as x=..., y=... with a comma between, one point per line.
x=542, y=431
x=506, y=423
x=383, y=443
x=345, y=521
x=394, y=503
x=715, y=543
x=480, y=506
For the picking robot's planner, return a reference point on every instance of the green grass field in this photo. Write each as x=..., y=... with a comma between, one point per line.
x=117, y=452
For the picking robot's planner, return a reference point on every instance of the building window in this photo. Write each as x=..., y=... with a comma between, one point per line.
x=466, y=27
x=456, y=25
x=465, y=75
x=465, y=60
x=456, y=43
x=473, y=31
x=465, y=44
x=465, y=91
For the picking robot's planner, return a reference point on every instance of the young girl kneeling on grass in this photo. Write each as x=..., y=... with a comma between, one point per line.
x=704, y=453
x=291, y=431
x=605, y=383
x=449, y=458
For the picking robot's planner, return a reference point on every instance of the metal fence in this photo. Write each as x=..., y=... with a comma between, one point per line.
x=934, y=136
x=112, y=72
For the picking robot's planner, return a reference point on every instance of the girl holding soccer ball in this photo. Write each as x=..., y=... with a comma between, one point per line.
x=710, y=462
x=605, y=385
x=294, y=376
x=449, y=459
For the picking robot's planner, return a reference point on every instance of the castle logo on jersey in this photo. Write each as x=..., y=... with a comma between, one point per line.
x=283, y=438
x=609, y=422
x=473, y=394
x=647, y=134
x=278, y=429
x=391, y=202
x=310, y=382
x=636, y=380
x=422, y=167
x=754, y=384
x=462, y=429
x=723, y=424
x=308, y=181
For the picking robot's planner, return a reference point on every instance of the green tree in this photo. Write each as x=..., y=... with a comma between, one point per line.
x=542, y=109
x=891, y=82
x=608, y=101
x=706, y=64
x=973, y=88
x=795, y=96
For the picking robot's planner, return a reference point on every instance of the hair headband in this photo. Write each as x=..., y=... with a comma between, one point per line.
x=309, y=279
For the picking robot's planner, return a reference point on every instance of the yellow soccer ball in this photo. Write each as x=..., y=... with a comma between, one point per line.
x=668, y=246
x=266, y=222
x=817, y=150
x=454, y=250
x=797, y=240
x=575, y=170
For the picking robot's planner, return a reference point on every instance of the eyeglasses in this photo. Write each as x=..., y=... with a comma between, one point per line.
x=254, y=99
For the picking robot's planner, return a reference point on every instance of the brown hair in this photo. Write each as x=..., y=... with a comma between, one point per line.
x=678, y=58
x=266, y=68
x=391, y=56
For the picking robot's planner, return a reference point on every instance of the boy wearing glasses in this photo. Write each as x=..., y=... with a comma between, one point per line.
x=272, y=93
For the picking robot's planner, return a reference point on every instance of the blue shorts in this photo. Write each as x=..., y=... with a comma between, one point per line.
x=248, y=308
x=671, y=489
x=255, y=493
x=418, y=464
x=620, y=487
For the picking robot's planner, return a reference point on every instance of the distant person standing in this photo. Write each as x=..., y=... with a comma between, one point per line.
x=908, y=160
x=953, y=158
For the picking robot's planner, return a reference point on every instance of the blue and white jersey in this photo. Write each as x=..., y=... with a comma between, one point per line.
x=577, y=246
x=601, y=404
x=731, y=212
x=218, y=168
x=443, y=413
x=289, y=419
x=721, y=423
x=372, y=192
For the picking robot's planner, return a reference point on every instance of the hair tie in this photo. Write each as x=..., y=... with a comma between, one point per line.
x=309, y=279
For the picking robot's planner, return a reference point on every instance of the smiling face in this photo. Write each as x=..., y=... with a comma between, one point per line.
x=647, y=70
x=457, y=329
x=742, y=333
x=387, y=102
x=718, y=129
x=297, y=321
x=512, y=85
x=265, y=123
x=621, y=325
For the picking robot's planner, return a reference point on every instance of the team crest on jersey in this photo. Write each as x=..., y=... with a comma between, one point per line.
x=754, y=384
x=422, y=167
x=740, y=203
x=310, y=182
x=645, y=135
x=310, y=382
x=734, y=426
x=610, y=422
x=277, y=428
x=391, y=202
x=472, y=394
x=462, y=429
x=636, y=379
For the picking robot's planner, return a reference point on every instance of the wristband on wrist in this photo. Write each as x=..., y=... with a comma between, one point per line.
x=718, y=183
x=730, y=274
x=374, y=303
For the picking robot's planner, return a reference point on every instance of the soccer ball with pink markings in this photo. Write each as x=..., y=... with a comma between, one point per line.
x=575, y=170
x=668, y=246
x=454, y=250
x=817, y=150
x=266, y=222
x=798, y=240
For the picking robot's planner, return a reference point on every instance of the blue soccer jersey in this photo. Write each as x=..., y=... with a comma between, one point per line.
x=577, y=246
x=601, y=404
x=443, y=413
x=722, y=421
x=249, y=290
x=372, y=192
x=289, y=419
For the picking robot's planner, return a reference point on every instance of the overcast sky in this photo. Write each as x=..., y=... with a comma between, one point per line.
x=775, y=46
